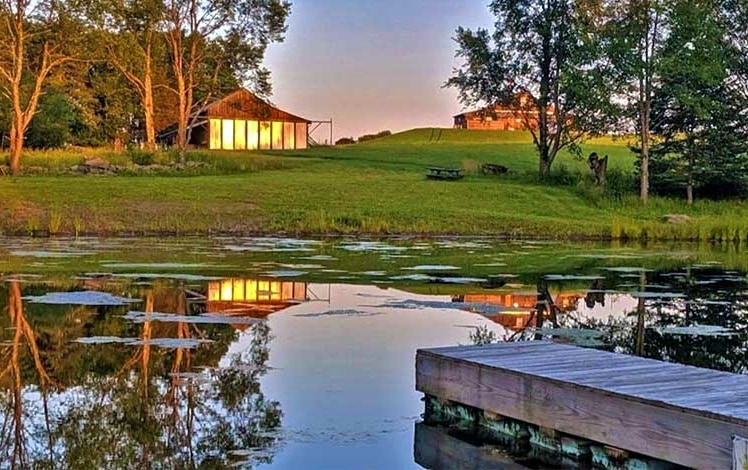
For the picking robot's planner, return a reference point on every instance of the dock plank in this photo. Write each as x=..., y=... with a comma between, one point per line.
x=677, y=413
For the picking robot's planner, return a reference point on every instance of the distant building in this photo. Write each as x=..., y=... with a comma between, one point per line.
x=501, y=118
x=242, y=121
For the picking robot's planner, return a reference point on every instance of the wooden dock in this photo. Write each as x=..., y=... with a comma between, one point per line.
x=670, y=412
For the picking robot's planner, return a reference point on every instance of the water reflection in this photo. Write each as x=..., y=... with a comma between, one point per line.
x=177, y=361
x=140, y=405
x=697, y=316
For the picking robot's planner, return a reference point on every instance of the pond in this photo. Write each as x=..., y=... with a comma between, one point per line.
x=286, y=353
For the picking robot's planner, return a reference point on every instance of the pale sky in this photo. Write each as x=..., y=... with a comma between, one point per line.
x=371, y=65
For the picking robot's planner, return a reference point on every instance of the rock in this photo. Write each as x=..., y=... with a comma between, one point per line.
x=97, y=165
x=676, y=218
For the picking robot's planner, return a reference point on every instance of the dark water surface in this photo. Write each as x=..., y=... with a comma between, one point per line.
x=285, y=353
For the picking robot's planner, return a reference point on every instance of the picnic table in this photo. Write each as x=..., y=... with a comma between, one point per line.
x=439, y=173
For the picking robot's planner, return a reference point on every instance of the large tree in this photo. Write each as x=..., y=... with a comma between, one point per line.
x=34, y=40
x=699, y=105
x=536, y=61
x=633, y=36
x=207, y=38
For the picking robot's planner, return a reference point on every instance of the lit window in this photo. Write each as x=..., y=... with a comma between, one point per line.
x=215, y=134
x=264, y=135
x=277, y=136
x=253, y=137
x=240, y=135
x=228, y=134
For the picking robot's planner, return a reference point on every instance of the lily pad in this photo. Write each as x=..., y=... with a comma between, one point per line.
x=89, y=297
x=697, y=330
x=212, y=319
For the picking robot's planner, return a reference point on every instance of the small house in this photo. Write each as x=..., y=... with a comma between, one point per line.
x=242, y=121
x=505, y=118
x=491, y=119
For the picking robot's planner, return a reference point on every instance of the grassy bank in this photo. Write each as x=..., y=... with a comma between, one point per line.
x=376, y=188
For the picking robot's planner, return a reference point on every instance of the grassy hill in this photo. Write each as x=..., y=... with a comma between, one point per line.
x=377, y=187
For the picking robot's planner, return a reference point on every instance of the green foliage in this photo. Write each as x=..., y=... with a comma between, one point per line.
x=51, y=126
x=139, y=156
x=699, y=108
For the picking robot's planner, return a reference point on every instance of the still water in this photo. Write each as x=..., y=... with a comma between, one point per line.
x=282, y=353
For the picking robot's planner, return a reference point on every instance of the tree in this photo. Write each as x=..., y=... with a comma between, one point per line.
x=129, y=31
x=207, y=38
x=536, y=61
x=698, y=106
x=33, y=37
x=633, y=37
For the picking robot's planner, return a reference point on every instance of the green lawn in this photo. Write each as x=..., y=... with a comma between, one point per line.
x=376, y=187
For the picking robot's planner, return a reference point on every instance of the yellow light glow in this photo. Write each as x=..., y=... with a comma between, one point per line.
x=240, y=135
x=253, y=137
x=277, y=136
x=264, y=135
x=228, y=134
x=215, y=134
x=238, y=287
x=227, y=290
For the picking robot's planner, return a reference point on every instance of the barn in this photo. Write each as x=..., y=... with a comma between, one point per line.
x=242, y=121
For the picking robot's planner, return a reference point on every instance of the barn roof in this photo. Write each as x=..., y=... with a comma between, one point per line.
x=239, y=104
x=242, y=103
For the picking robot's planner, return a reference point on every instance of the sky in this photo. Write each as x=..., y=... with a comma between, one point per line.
x=371, y=65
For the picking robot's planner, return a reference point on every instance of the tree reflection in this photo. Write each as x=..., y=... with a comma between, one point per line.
x=19, y=411
x=709, y=297
x=156, y=411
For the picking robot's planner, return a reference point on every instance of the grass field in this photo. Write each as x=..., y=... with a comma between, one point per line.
x=377, y=188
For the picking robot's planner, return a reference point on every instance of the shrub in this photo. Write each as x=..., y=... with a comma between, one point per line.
x=378, y=135
x=345, y=141
x=139, y=156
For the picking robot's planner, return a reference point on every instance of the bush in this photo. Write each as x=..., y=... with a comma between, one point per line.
x=139, y=156
x=378, y=135
x=345, y=141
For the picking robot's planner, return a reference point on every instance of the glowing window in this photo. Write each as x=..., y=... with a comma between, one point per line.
x=215, y=134
x=275, y=290
x=264, y=135
x=263, y=290
x=250, y=290
x=253, y=137
x=228, y=134
x=301, y=135
x=289, y=136
x=240, y=135
x=226, y=290
x=277, y=136
x=238, y=293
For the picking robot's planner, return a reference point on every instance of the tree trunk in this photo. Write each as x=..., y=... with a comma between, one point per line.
x=16, y=147
x=644, y=184
x=148, y=106
x=689, y=193
x=545, y=169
